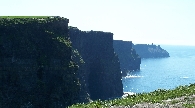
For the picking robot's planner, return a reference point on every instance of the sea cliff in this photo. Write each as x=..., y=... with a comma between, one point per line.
x=45, y=63
x=150, y=51
x=100, y=75
x=129, y=59
x=36, y=68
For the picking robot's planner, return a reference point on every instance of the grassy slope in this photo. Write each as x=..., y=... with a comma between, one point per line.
x=153, y=97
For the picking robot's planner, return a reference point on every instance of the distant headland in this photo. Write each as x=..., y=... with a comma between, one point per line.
x=150, y=51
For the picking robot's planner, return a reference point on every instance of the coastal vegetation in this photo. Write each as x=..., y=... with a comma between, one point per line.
x=157, y=96
x=24, y=16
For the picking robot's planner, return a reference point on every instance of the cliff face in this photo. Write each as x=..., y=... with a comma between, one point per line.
x=129, y=60
x=150, y=51
x=100, y=75
x=36, y=68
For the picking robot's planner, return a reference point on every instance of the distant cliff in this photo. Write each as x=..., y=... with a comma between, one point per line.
x=100, y=75
x=150, y=51
x=129, y=59
x=36, y=69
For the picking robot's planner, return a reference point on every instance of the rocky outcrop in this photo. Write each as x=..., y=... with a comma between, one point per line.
x=100, y=75
x=150, y=51
x=129, y=59
x=36, y=69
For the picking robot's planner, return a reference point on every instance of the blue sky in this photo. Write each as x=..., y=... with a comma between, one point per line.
x=141, y=21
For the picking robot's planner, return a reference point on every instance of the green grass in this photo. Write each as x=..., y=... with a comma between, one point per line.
x=190, y=105
x=24, y=16
x=153, y=97
x=13, y=20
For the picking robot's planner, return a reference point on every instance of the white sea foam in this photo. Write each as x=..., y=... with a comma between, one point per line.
x=184, y=77
x=125, y=94
x=133, y=76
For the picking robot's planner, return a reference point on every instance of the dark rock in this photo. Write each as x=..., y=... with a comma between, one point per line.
x=36, y=68
x=129, y=60
x=150, y=51
x=100, y=75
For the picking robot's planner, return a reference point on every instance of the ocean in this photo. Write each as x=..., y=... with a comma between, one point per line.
x=163, y=73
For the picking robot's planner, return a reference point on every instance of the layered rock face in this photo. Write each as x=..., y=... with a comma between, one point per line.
x=100, y=75
x=129, y=59
x=36, y=69
x=150, y=51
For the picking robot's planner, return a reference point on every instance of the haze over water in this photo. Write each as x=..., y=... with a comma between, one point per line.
x=163, y=73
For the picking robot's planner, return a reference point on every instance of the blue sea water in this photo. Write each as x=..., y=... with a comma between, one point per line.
x=163, y=73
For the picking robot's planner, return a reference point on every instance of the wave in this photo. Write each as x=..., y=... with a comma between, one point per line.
x=133, y=76
x=125, y=94
x=184, y=77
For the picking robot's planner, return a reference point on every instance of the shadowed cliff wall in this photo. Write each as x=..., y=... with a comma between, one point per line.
x=150, y=51
x=36, y=69
x=100, y=75
x=129, y=60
